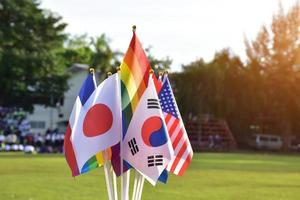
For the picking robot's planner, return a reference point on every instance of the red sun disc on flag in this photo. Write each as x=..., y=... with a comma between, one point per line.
x=98, y=120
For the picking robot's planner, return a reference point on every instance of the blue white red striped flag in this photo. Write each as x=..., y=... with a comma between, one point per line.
x=176, y=130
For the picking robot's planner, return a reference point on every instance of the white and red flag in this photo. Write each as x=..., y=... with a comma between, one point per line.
x=146, y=145
x=94, y=124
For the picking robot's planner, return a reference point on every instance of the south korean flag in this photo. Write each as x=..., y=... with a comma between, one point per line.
x=146, y=145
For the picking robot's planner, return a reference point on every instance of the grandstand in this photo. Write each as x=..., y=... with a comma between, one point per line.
x=210, y=134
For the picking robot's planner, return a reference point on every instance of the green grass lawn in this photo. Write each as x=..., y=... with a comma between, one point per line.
x=212, y=176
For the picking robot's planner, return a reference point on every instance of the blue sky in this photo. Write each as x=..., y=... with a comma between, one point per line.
x=183, y=30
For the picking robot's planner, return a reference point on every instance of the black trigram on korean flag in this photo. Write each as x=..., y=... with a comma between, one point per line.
x=155, y=160
x=152, y=104
x=133, y=146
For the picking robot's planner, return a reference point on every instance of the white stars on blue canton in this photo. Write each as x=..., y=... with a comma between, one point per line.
x=166, y=100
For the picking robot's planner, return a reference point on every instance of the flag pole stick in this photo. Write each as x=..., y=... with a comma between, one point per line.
x=108, y=178
x=107, y=170
x=125, y=177
x=138, y=177
x=122, y=187
x=135, y=185
x=139, y=187
x=142, y=181
x=115, y=184
x=121, y=153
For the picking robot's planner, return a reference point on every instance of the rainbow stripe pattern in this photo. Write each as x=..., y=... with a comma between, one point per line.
x=134, y=79
x=95, y=161
x=92, y=163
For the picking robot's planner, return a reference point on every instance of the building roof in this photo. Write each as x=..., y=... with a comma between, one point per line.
x=78, y=67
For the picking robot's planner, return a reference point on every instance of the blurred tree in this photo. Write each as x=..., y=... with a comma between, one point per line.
x=274, y=56
x=95, y=52
x=31, y=71
x=103, y=58
x=265, y=90
x=34, y=55
x=214, y=88
x=77, y=50
x=156, y=63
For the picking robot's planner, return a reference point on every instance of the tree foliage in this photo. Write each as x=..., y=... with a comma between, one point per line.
x=275, y=55
x=104, y=58
x=30, y=68
x=158, y=64
x=94, y=51
x=216, y=87
x=35, y=53
x=77, y=50
x=265, y=90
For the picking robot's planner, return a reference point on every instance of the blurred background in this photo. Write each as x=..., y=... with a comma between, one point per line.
x=243, y=99
x=234, y=67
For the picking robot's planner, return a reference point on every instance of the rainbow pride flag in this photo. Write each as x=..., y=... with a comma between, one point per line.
x=134, y=79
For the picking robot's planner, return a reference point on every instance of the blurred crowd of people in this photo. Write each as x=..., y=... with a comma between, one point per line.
x=16, y=134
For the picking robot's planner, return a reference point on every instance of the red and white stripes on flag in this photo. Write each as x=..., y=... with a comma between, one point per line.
x=181, y=145
x=182, y=148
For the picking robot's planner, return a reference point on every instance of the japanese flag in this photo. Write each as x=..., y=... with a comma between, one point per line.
x=95, y=122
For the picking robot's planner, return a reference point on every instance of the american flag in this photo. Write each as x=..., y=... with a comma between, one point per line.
x=179, y=138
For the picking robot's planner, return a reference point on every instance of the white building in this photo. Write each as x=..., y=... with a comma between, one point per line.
x=46, y=117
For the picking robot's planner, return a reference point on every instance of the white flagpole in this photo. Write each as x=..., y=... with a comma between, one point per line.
x=122, y=196
x=135, y=185
x=125, y=177
x=138, y=176
x=137, y=193
x=115, y=184
x=141, y=187
x=107, y=169
x=122, y=187
x=108, y=177
x=138, y=189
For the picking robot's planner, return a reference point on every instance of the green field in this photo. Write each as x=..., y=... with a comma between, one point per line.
x=211, y=176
